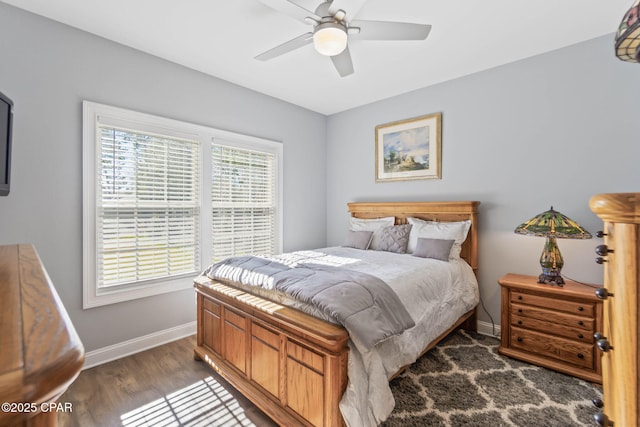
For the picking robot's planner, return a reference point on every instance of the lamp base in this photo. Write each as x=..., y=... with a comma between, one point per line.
x=551, y=262
x=551, y=278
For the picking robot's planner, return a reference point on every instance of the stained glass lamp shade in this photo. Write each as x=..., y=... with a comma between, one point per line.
x=628, y=36
x=552, y=225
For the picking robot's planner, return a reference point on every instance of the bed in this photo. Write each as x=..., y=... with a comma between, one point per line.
x=296, y=367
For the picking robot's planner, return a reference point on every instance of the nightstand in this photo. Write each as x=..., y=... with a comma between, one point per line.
x=551, y=326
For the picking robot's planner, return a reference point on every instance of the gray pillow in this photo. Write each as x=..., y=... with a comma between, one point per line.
x=394, y=238
x=433, y=248
x=359, y=239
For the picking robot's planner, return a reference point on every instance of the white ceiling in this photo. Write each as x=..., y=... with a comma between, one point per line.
x=221, y=38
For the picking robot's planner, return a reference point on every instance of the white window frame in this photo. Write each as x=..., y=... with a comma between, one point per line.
x=92, y=295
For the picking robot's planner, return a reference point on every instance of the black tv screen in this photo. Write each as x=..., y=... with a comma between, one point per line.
x=6, y=121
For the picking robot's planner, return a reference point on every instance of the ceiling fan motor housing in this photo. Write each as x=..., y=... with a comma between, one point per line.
x=330, y=38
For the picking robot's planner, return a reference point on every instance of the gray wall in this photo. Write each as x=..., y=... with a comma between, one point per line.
x=553, y=129
x=48, y=69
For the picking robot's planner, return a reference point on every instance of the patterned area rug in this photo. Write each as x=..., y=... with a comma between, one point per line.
x=465, y=382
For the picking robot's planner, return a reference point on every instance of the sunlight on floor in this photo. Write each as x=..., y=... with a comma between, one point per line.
x=205, y=403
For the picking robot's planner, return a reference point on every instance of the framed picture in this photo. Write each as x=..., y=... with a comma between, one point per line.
x=409, y=149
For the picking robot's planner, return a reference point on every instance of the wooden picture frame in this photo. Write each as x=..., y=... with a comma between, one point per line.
x=409, y=149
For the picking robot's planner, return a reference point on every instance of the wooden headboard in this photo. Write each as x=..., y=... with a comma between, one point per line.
x=430, y=211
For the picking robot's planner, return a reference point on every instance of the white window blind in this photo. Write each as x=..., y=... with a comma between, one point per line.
x=162, y=198
x=147, y=219
x=244, y=201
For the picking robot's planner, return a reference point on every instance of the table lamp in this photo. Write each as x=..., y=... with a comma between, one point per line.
x=552, y=225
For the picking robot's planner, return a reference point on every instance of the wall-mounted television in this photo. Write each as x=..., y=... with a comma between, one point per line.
x=6, y=123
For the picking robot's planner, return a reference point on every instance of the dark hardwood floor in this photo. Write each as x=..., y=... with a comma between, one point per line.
x=162, y=386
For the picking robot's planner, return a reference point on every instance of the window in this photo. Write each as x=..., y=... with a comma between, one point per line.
x=244, y=203
x=163, y=199
x=148, y=207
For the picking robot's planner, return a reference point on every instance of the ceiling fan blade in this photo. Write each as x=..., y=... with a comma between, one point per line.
x=285, y=47
x=381, y=30
x=292, y=9
x=351, y=7
x=343, y=63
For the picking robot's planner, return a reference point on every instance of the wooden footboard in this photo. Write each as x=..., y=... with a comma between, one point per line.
x=291, y=365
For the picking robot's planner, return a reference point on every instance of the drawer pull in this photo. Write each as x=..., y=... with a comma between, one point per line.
x=580, y=322
x=602, y=420
x=519, y=310
x=603, y=250
x=580, y=308
x=580, y=336
x=580, y=356
x=600, y=234
x=519, y=322
x=604, y=345
x=519, y=339
x=600, y=260
x=598, y=403
x=520, y=297
x=603, y=293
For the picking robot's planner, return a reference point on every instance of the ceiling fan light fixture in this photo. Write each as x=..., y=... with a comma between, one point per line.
x=330, y=38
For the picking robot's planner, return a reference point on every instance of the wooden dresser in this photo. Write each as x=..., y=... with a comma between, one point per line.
x=551, y=326
x=40, y=352
x=619, y=344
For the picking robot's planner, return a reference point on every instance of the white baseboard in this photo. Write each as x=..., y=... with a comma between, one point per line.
x=487, y=328
x=136, y=345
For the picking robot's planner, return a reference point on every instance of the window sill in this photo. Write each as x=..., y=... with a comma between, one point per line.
x=98, y=297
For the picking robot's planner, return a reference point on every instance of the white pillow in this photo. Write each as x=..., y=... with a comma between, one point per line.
x=456, y=231
x=375, y=225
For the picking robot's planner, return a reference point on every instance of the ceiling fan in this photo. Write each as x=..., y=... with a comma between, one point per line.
x=332, y=27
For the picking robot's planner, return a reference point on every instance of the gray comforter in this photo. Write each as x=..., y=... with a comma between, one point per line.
x=364, y=304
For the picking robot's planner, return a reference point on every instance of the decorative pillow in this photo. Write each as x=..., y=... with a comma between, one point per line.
x=395, y=238
x=439, y=230
x=359, y=224
x=359, y=239
x=433, y=248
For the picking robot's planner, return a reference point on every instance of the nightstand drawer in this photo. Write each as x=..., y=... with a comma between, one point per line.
x=583, y=309
x=553, y=328
x=557, y=317
x=567, y=351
